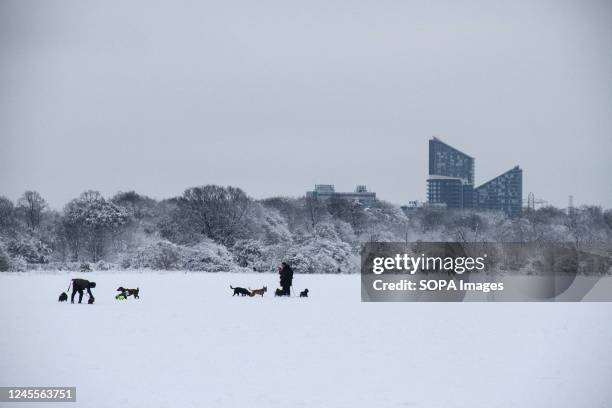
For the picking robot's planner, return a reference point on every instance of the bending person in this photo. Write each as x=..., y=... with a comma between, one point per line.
x=79, y=285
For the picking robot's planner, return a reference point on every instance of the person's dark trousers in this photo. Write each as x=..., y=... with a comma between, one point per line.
x=287, y=290
x=74, y=292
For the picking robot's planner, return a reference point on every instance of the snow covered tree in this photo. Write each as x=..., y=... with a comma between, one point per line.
x=162, y=255
x=349, y=211
x=31, y=249
x=247, y=252
x=4, y=261
x=89, y=222
x=140, y=207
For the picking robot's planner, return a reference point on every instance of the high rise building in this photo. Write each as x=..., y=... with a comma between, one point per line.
x=445, y=191
x=504, y=193
x=445, y=160
x=451, y=183
x=451, y=176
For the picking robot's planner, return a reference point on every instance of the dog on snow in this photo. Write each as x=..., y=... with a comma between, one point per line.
x=258, y=291
x=129, y=292
x=240, y=291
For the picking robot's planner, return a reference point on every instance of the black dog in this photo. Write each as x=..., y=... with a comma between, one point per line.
x=127, y=292
x=240, y=291
x=304, y=293
x=63, y=297
x=91, y=300
x=278, y=292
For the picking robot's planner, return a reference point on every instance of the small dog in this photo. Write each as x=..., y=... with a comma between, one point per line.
x=278, y=292
x=258, y=291
x=240, y=291
x=304, y=293
x=128, y=292
x=63, y=297
x=91, y=300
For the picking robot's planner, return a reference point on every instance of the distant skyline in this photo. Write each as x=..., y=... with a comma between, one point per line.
x=275, y=97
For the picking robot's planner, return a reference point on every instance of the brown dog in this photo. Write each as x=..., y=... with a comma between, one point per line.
x=258, y=291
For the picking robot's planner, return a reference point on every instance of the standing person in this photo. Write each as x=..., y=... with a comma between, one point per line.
x=286, y=278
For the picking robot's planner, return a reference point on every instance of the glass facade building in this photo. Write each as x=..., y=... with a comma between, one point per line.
x=451, y=176
x=451, y=183
x=448, y=192
x=445, y=160
x=504, y=193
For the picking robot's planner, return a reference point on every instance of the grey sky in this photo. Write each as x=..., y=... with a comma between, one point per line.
x=274, y=97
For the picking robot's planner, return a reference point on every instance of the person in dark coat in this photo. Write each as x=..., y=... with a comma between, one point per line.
x=286, y=278
x=79, y=285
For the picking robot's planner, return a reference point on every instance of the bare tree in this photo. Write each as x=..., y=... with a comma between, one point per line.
x=7, y=215
x=218, y=212
x=31, y=204
x=315, y=210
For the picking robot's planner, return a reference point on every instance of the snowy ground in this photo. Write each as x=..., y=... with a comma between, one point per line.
x=188, y=343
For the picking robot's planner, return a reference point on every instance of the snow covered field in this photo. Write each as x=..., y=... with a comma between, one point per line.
x=188, y=343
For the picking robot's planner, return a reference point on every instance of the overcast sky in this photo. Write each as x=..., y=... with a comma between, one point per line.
x=274, y=97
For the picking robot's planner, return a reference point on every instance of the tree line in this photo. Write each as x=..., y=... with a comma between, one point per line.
x=217, y=228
